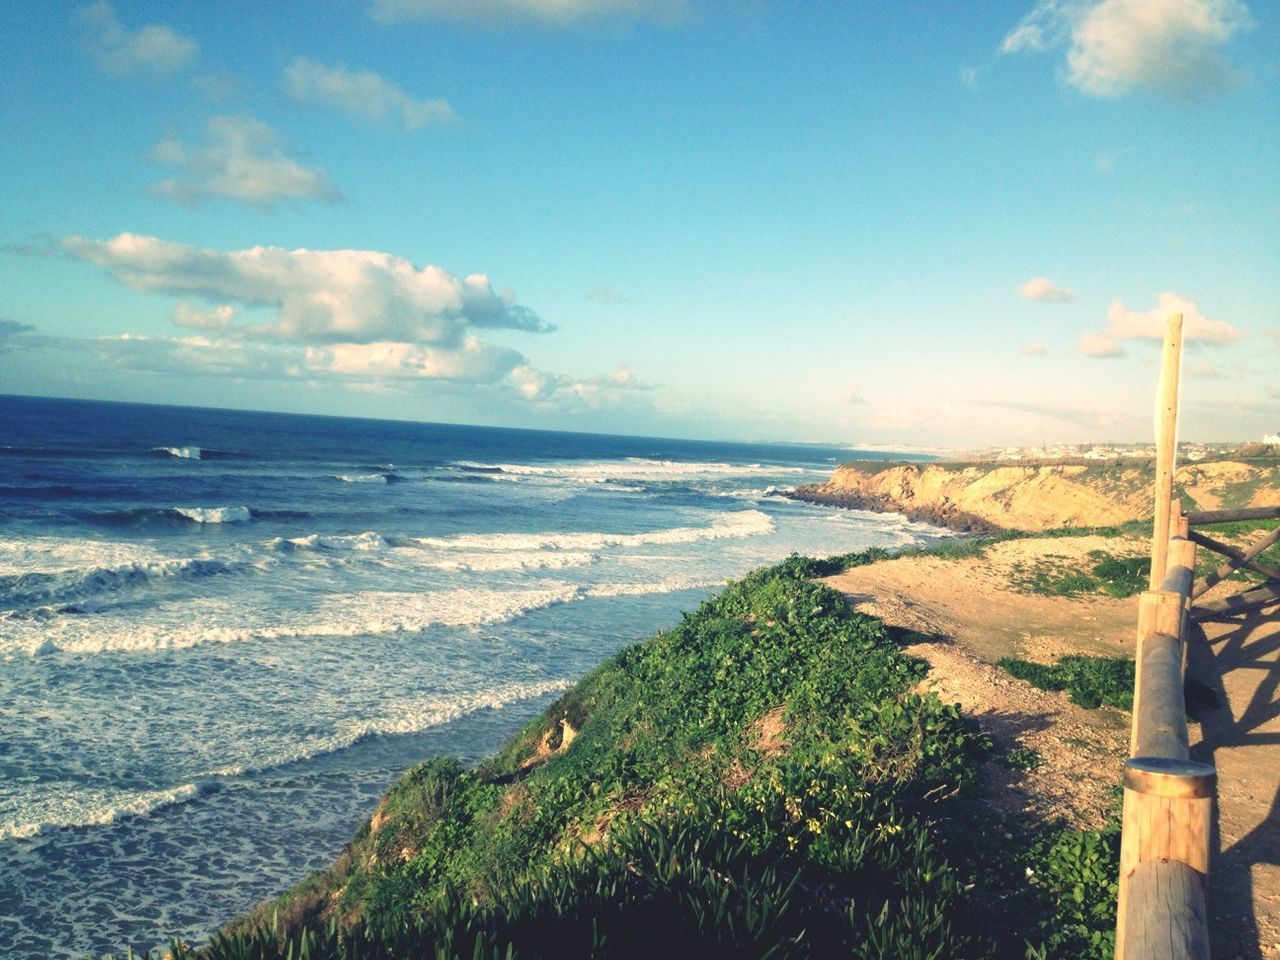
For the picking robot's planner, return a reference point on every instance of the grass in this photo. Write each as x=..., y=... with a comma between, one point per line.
x=761, y=780
x=1241, y=533
x=1106, y=574
x=1091, y=682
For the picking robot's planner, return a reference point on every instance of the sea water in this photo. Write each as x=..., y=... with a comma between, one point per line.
x=223, y=633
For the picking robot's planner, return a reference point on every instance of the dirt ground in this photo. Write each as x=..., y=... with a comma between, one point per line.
x=967, y=616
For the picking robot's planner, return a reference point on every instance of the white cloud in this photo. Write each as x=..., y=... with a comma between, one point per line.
x=153, y=48
x=535, y=384
x=1126, y=324
x=546, y=11
x=319, y=296
x=194, y=356
x=969, y=77
x=242, y=159
x=187, y=314
x=474, y=362
x=1033, y=349
x=1100, y=345
x=1115, y=46
x=1044, y=290
x=361, y=94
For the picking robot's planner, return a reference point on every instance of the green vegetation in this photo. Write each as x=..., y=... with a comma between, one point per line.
x=759, y=781
x=960, y=548
x=1242, y=534
x=1022, y=758
x=1055, y=576
x=1089, y=681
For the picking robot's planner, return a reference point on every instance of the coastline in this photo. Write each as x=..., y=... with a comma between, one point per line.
x=947, y=516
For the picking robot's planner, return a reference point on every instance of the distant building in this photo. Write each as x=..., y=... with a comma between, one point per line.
x=1271, y=438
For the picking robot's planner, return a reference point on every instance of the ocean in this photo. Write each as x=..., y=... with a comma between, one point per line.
x=224, y=633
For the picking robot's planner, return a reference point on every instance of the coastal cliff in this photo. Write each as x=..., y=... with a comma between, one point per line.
x=986, y=497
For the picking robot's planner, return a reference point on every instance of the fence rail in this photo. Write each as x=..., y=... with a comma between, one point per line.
x=1169, y=798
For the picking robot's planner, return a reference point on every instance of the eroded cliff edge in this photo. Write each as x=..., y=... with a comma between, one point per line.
x=986, y=497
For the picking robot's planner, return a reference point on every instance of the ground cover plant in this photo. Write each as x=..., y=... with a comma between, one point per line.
x=1105, y=573
x=1089, y=681
x=763, y=780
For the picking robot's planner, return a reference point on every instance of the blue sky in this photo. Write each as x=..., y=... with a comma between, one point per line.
x=938, y=223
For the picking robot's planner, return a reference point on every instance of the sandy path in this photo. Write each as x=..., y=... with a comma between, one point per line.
x=971, y=618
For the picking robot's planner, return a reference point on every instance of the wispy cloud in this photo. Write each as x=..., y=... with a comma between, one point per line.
x=1045, y=290
x=1033, y=349
x=544, y=11
x=242, y=159
x=154, y=49
x=1171, y=47
x=361, y=94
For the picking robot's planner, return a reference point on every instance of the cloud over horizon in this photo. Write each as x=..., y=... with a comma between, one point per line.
x=153, y=49
x=354, y=316
x=1170, y=47
x=318, y=296
x=362, y=94
x=242, y=159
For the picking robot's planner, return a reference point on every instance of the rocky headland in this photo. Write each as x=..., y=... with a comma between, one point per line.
x=994, y=496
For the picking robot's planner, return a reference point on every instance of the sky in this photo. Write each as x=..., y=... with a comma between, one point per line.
x=932, y=223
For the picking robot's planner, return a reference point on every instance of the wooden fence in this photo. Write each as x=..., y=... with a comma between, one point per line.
x=1169, y=798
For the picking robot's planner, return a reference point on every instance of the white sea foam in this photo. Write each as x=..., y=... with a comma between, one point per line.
x=361, y=477
x=182, y=453
x=669, y=585
x=67, y=805
x=71, y=584
x=59, y=554
x=632, y=468
x=496, y=562
x=364, y=613
x=369, y=540
x=744, y=523
x=399, y=717
x=214, y=514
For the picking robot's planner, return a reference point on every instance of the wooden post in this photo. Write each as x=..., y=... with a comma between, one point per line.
x=1166, y=444
x=1164, y=859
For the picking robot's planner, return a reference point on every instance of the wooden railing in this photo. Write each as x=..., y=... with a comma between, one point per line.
x=1169, y=798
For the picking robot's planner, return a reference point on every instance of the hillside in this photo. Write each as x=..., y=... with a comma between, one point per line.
x=984, y=497
x=770, y=778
